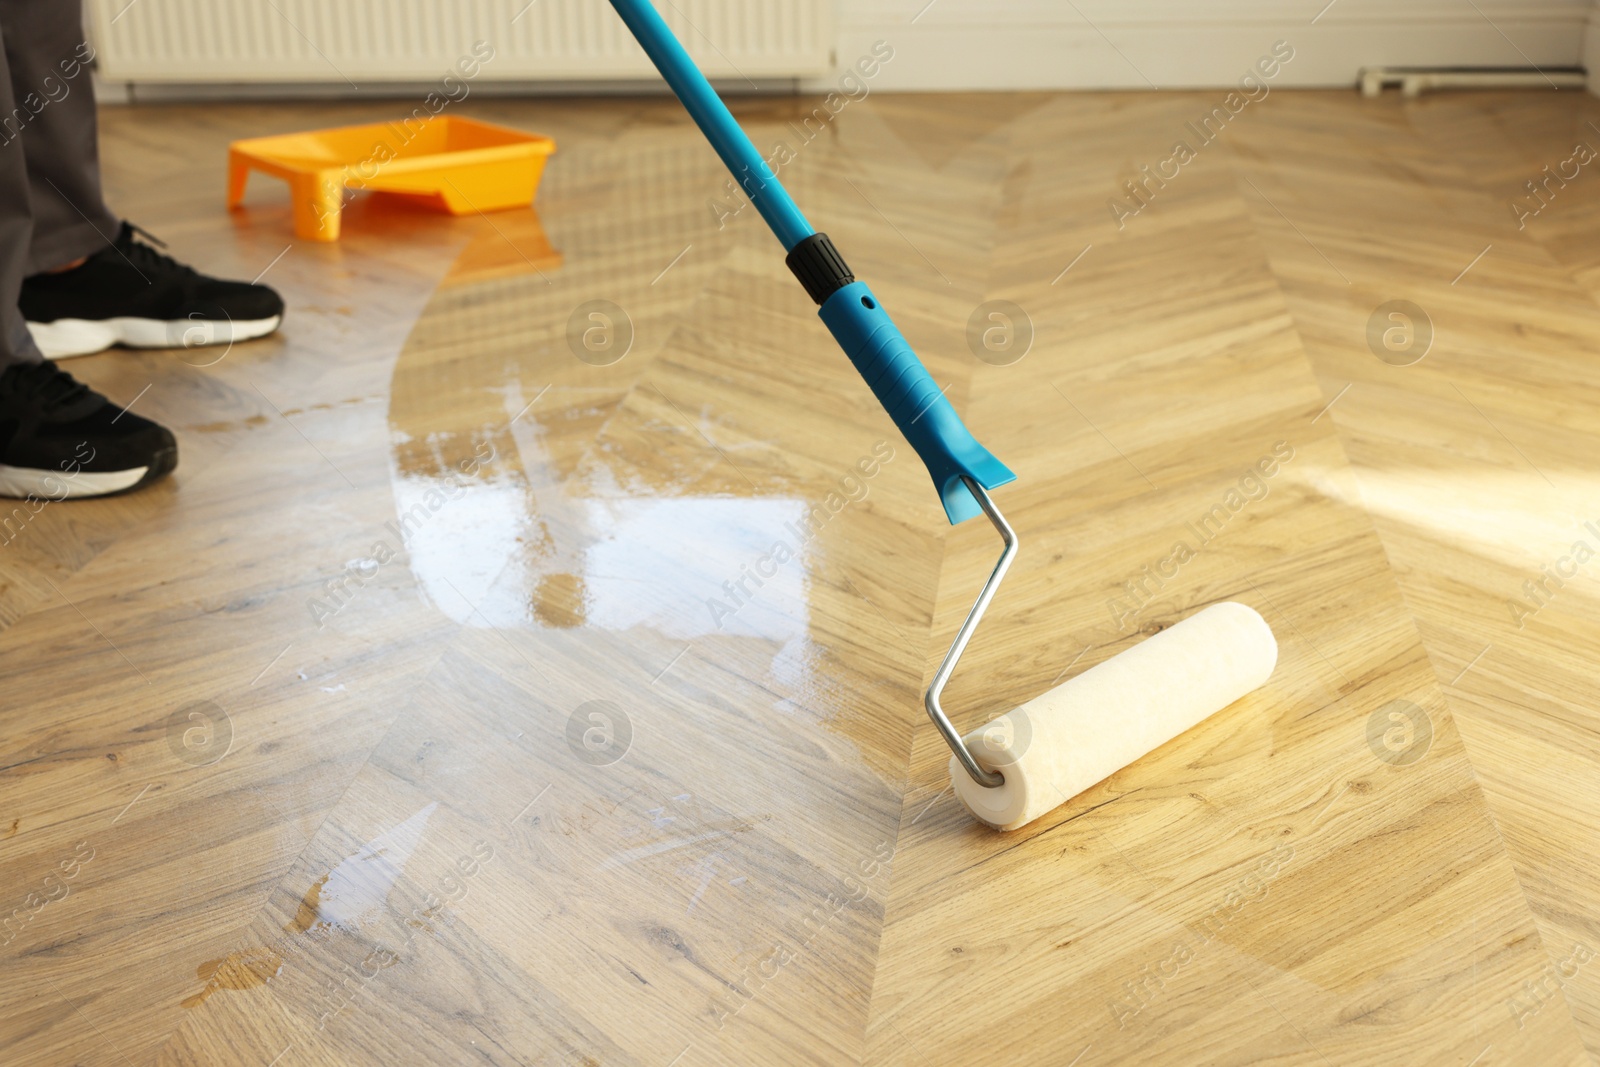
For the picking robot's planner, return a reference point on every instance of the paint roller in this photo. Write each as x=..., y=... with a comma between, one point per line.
x=1035, y=757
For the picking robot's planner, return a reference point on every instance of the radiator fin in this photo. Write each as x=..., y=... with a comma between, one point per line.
x=212, y=41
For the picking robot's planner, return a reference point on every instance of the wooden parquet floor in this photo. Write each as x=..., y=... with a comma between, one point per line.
x=431, y=712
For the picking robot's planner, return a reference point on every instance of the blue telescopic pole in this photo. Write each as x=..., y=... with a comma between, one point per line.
x=715, y=121
x=847, y=307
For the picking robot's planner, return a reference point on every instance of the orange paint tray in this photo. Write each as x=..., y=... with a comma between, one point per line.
x=459, y=165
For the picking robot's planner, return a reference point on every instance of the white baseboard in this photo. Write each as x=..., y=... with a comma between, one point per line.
x=109, y=92
x=956, y=45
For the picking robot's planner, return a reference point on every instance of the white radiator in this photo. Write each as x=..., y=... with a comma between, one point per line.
x=360, y=41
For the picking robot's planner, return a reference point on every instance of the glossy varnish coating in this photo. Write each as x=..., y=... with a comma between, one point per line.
x=463, y=700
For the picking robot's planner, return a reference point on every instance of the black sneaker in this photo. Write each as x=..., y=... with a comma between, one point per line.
x=133, y=295
x=59, y=438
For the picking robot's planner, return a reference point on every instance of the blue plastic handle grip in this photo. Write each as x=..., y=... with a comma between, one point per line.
x=912, y=398
x=852, y=314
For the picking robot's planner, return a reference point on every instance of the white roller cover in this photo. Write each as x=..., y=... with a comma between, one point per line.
x=1087, y=728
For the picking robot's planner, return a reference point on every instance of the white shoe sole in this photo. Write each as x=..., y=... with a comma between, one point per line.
x=21, y=482
x=66, y=338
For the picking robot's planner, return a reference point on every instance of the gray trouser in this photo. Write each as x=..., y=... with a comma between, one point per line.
x=51, y=212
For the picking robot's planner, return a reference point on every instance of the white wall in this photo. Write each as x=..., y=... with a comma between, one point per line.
x=938, y=44
x=1591, y=48
x=1133, y=44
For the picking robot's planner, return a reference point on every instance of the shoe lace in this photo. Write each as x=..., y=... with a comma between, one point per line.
x=145, y=256
x=43, y=383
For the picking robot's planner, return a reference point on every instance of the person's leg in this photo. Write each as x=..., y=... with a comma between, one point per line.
x=58, y=438
x=48, y=58
x=16, y=218
x=92, y=283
